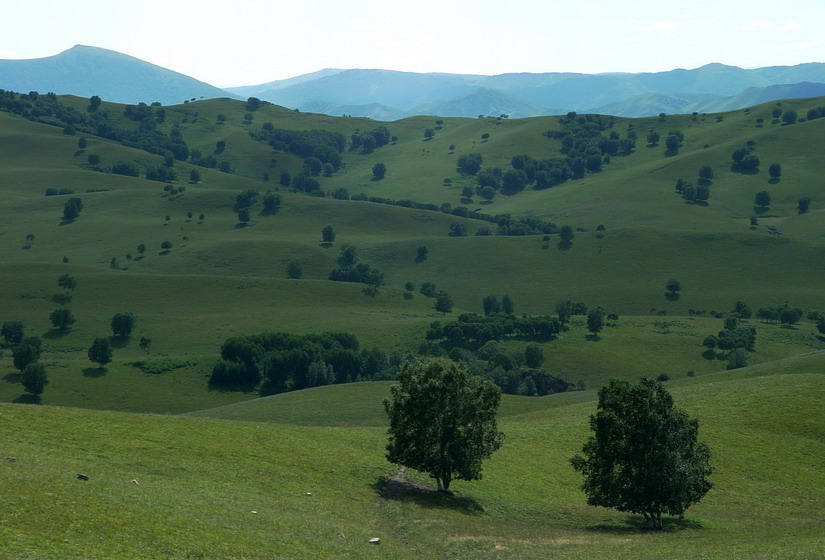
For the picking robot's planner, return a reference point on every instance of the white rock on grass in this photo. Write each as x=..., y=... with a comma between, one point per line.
x=375, y=540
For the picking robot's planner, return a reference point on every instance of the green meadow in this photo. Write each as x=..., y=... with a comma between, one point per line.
x=201, y=474
x=209, y=488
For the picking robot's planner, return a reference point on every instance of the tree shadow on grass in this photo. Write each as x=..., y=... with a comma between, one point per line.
x=53, y=334
x=637, y=524
x=119, y=341
x=672, y=296
x=27, y=398
x=62, y=299
x=94, y=372
x=400, y=489
x=14, y=377
x=564, y=245
x=592, y=338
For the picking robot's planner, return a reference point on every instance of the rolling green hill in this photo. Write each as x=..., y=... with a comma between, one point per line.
x=232, y=477
x=220, y=280
x=163, y=487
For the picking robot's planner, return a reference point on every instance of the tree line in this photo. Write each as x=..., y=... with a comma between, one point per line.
x=277, y=362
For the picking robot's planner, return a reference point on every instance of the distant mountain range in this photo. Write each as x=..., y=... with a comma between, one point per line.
x=388, y=95
x=381, y=93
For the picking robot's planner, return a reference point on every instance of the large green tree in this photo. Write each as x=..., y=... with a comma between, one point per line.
x=644, y=456
x=442, y=421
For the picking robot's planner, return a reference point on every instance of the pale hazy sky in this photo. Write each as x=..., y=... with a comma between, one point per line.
x=249, y=42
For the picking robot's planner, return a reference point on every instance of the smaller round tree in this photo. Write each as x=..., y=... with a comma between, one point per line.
x=26, y=352
x=762, y=198
x=101, y=351
x=443, y=302
x=35, y=378
x=62, y=319
x=294, y=269
x=122, y=324
x=12, y=332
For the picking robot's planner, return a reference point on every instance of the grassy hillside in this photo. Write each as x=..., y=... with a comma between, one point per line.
x=220, y=279
x=226, y=489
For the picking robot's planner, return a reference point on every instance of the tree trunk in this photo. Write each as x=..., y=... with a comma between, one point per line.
x=446, y=488
x=654, y=519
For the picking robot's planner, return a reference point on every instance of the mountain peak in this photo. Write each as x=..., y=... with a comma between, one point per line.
x=85, y=70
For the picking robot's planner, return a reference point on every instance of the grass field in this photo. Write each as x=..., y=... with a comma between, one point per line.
x=199, y=481
x=200, y=476
x=220, y=280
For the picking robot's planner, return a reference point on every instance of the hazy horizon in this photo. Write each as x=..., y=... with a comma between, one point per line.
x=263, y=42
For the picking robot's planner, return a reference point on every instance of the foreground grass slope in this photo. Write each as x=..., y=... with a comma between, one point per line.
x=200, y=480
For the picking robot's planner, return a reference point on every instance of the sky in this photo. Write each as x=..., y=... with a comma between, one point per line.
x=251, y=42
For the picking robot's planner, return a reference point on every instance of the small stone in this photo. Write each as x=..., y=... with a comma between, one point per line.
x=253, y=511
x=309, y=493
x=133, y=481
x=9, y=459
x=375, y=540
x=341, y=535
x=80, y=476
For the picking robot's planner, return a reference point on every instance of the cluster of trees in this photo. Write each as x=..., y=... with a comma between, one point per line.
x=26, y=351
x=323, y=145
x=514, y=372
x=350, y=270
x=815, y=113
x=700, y=192
x=368, y=142
x=745, y=160
x=471, y=329
x=246, y=201
x=735, y=340
x=281, y=362
x=585, y=146
x=99, y=121
x=492, y=305
x=780, y=314
x=585, y=143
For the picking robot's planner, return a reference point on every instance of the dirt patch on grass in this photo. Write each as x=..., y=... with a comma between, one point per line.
x=398, y=486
